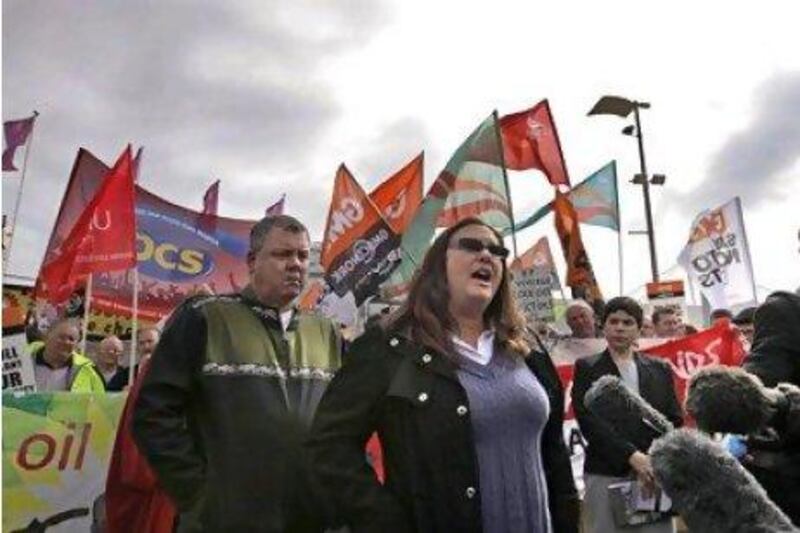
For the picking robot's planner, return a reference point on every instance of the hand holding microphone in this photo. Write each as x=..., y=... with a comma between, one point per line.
x=641, y=464
x=630, y=415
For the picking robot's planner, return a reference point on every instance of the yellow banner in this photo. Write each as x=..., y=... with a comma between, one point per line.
x=56, y=451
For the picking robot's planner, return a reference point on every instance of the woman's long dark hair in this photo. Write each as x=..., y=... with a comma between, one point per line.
x=425, y=315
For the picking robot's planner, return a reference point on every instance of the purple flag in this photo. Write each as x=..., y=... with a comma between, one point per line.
x=211, y=199
x=16, y=133
x=277, y=207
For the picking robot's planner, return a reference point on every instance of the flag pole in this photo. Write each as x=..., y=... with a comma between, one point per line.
x=747, y=249
x=134, y=324
x=505, y=179
x=619, y=258
x=87, y=302
x=619, y=231
x=29, y=144
x=691, y=287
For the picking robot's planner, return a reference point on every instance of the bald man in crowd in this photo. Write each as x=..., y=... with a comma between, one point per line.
x=146, y=341
x=580, y=319
x=108, y=354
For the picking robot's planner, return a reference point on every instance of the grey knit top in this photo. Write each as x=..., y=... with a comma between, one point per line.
x=508, y=409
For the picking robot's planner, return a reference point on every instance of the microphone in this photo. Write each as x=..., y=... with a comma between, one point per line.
x=710, y=489
x=726, y=399
x=629, y=414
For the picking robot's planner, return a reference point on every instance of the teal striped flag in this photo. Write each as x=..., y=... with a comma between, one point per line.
x=472, y=184
x=595, y=199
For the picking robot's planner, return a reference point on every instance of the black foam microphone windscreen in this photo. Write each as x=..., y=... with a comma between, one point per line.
x=609, y=399
x=730, y=400
x=710, y=489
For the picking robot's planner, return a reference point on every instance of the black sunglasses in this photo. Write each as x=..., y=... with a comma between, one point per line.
x=471, y=244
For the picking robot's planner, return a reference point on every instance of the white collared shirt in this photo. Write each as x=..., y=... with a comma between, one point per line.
x=286, y=318
x=482, y=354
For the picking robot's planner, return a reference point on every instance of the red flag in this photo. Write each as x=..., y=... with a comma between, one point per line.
x=104, y=237
x=399, y=195
x=580, y=275
x=16, y=134
x=530, y=140
x=211, y=199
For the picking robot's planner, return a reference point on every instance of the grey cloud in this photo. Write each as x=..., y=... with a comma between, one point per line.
x=391, y=149
x=750, y=164
x=211, y=89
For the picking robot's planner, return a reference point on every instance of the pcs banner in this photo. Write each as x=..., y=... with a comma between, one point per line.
x=178, y=251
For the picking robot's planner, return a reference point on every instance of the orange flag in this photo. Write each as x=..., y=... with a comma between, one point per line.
x=399, y=196
x=360, y=249
x=580, y=275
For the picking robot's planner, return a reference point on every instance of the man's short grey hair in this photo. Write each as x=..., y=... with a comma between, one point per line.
x=71, y=320
x=262, y=228
x=580, y=303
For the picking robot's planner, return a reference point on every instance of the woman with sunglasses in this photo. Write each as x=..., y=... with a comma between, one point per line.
x=469, y=419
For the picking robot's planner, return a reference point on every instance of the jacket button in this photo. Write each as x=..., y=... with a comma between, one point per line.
x=462, y=410
x=393, y=342
x=427, y=358
x=470, y=492
x=423, y=397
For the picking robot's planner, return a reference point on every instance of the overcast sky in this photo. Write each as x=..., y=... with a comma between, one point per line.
x=269, y=97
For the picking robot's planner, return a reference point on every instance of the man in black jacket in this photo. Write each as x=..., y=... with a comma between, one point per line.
x=773, y=456
x=233, y=385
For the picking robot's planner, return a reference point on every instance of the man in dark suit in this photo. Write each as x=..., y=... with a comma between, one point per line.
x=614, y=453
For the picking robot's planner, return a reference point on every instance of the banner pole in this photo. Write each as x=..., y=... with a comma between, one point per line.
x=499, y=137
x=7, y=258
x=134, y=325
x=747, y=249
x=87, y=302
x=619, y=258
x=619, y=231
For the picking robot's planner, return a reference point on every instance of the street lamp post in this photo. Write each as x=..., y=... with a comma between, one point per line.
x=622, y=107
x=648, y=211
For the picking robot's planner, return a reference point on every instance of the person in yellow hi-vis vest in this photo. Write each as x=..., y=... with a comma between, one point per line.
x=58, y=366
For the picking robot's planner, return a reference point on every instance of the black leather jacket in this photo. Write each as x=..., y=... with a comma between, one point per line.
x=411, y=396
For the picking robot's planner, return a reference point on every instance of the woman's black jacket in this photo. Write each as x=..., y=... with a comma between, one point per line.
x=410, y=395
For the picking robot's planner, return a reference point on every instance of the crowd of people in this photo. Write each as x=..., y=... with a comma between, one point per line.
x=246, y=414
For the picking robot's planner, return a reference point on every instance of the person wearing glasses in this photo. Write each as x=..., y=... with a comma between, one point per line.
x=470, y=420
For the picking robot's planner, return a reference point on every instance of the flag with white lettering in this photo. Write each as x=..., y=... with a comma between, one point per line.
x=717, y=258
x=103, y=238
x=360, y=249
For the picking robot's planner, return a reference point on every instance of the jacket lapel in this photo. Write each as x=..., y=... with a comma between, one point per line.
x=423, y=357
x=606, y=365
x=645, y=381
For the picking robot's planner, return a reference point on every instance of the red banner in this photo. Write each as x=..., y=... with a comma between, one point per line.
x=178, y=251
x=718, y=345
x=103, y=237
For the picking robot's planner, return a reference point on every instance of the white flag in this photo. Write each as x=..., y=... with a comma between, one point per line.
x=717, y=258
